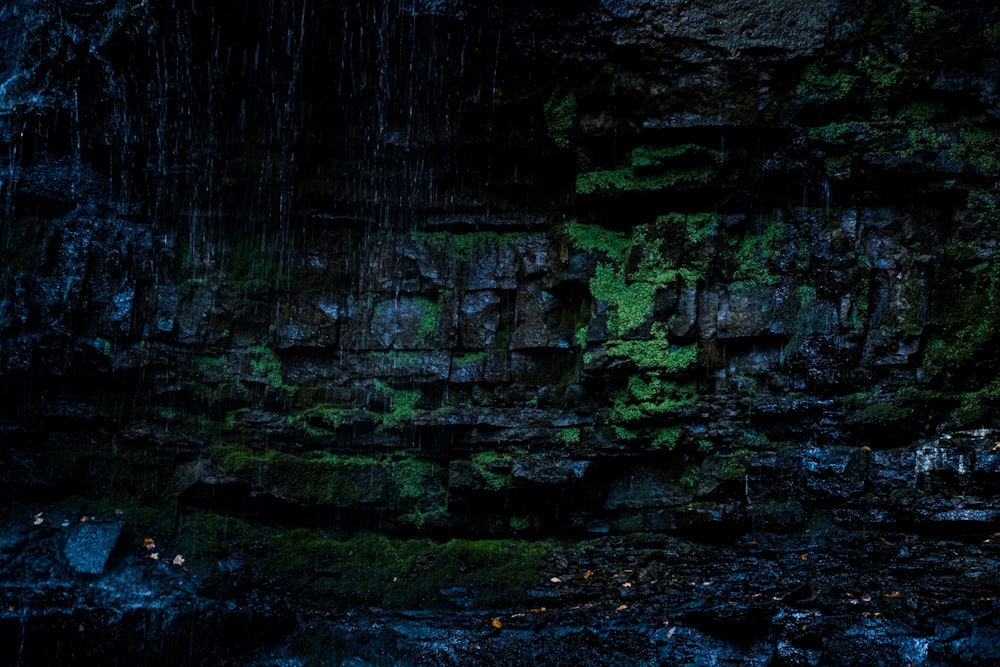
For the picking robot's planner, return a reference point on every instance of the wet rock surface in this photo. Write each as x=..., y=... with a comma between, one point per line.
x=823, y=595
x=499, y=333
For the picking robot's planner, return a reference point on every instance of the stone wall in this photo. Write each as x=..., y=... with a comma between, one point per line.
x=488, y=271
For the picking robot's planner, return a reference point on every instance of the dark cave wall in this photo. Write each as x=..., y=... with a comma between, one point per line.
x=516, y=269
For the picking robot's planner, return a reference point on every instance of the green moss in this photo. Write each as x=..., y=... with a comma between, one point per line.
x=403, y=482
x=560, y=118
x=691, y=476
x=884, y=413
x=666, y=156
x=756, y=256
x=923, y=138
x=430, y=320
x=470, y=357
x=488, y=463
x=924, y=17
x=979, y=150
x=650, y=396
x=660, y=261
x=656, y=389
x=238, y=459
x=919, y=113
x=653, y=169
x=968, y=306
x=882, y=76
x=614, y=245
x=323, y=420
x=355, y=571
x=983, y=209
x=819, y=86
x=519, y=523
x=205, y=364
x=469, y=246
x=843, y=133
x=402, y=405
x=626, y=180
x=666, y=438
x=696, y=227
x=264, y=363
x=570, y=436
x=861, y=294
x=630, y=303
x=735, y=466
x=656, y=353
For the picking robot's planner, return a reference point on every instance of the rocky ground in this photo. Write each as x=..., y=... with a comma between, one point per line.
x=881, y=598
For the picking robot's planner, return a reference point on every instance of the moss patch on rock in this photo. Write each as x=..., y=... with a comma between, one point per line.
x=377, y=570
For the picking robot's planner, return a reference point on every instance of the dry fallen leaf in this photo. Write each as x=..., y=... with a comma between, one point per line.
x=154, y=556
x=556, y=580
x=671, y=631
x=588, y=574
x=149, y=544
x=622, y=607
x=178, y=560
x=39, y=519
x=496, y=623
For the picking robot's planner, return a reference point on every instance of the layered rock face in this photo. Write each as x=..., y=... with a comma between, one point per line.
x=674, y=316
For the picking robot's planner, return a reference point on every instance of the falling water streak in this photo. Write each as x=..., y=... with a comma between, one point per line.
x=77, y=141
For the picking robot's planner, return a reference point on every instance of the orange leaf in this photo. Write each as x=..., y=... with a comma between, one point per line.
x=588, y=574
x=496, y=623
x=622, y=607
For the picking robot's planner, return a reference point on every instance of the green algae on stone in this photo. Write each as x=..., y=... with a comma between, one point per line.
x=494, y=468
x=626, y=180
x=613, y=244
x=734, y=467
x=403, y=482
x=467, y=247
x=653, y=169
x=402, y=404
x=560, y=118
x=756, y=256
x=401, y=574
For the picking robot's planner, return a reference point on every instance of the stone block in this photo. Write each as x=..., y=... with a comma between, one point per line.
x=91, y=545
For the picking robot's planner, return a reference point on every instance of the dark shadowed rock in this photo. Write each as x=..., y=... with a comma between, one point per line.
x=91, y=545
